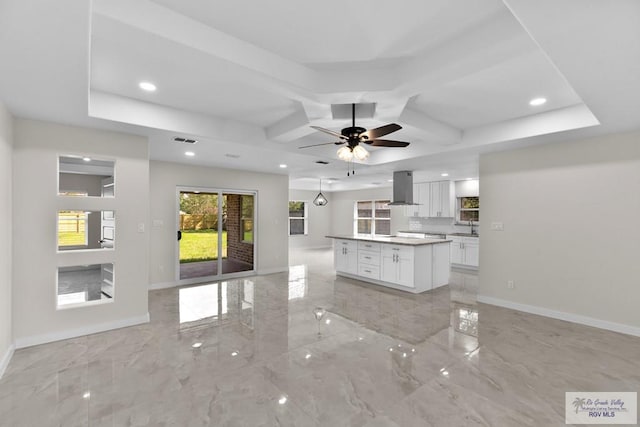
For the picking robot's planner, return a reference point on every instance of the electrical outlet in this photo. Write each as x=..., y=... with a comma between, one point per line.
x=511, y=284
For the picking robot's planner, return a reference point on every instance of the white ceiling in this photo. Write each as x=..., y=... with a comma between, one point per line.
x=248, y=79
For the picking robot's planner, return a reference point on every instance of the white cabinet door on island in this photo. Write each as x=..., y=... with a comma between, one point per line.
x=413, y=265
x=397, y=265
x=346, y=256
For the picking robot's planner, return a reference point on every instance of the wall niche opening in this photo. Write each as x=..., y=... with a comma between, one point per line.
x=83, y=176
x=81, y=230
x=85, y=284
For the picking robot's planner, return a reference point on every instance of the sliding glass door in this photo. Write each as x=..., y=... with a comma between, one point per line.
x=215, y=234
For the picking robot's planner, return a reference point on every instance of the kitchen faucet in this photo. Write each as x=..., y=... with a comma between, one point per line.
x=471, y=225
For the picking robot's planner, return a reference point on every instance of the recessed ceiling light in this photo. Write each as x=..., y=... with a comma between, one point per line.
x=189, y=153
x=307, y=356
x=86, y=159
x=283, y=166
x=87, y=395
x=282, y=400
x=537, y=101
x=196, y=345
x=444, y=174
x=148, y=86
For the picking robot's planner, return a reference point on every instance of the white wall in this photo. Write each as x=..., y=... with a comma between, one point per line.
x=271, y=228
x=319, y=220
x=91, y=184
x=6, y=147
x=571, y=241
x=37, y=146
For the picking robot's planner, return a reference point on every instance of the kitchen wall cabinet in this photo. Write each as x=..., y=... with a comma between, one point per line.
x=421, y=197
x=433, y=199
x=346, y=256
x=465, y=250
x=442, y=199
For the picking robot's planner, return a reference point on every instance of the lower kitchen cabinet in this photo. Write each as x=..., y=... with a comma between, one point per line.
x=465, y=250
x=397, y=265
x=346, y=256
x=413, y=267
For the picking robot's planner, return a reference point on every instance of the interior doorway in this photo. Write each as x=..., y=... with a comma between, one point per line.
x=216, y=234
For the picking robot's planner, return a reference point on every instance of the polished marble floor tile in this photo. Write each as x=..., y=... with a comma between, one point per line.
x=251, y=352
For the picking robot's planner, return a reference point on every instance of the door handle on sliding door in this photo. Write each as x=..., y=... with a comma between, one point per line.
x=179, y=235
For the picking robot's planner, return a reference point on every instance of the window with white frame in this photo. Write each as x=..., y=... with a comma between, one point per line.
x=298, y=218
x=468, y=209
x=246, y=220
x=372, y=217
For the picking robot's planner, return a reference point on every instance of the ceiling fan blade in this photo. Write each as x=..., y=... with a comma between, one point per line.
x=330, y=132
x=324, y=143
x=381, y=131
x=387, y=143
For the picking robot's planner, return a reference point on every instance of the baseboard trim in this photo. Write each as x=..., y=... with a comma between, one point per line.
x=274, y=270
x=4, y=363
x=561, y=315
x=78, y=332
x=311, y=247
x=163, y=285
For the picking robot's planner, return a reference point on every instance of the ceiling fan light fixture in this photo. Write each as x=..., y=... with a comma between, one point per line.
x=360, y=153
x=345, y=153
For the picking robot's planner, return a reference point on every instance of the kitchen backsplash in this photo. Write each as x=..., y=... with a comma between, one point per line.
x=439, y=225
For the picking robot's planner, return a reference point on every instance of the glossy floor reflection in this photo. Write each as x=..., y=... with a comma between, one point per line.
x=250, y=352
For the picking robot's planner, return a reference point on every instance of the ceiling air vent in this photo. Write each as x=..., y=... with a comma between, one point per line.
x=185, y=140
x=322, y=162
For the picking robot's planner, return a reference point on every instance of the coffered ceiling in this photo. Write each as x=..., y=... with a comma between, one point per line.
x=247, y=79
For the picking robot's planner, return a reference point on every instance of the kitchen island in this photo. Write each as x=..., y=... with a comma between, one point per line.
x=408, y=264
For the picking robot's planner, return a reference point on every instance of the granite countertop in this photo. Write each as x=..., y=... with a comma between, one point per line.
x=421, y=232
x=440, y=232
x=394, y=240
x=463, y=234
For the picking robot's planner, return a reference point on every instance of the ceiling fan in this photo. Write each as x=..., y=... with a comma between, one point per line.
x=354, y=135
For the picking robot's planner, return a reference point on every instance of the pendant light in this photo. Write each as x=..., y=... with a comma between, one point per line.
x=320, y=200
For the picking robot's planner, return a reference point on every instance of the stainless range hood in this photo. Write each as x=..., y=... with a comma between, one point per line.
x=402, y=188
